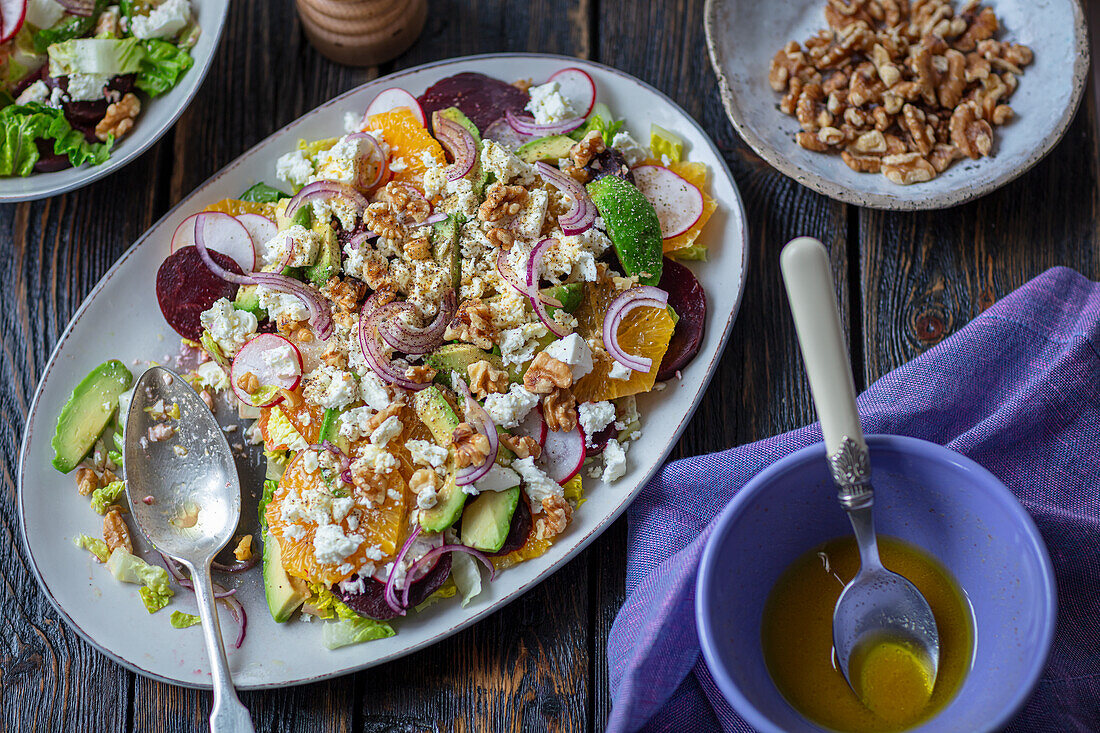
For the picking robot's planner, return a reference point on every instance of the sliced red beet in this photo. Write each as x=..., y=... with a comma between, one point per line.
x=372, y=602
x=518, y=530
x=481, y=98
x=186, y=287
x=599, y=440
x=687, y=298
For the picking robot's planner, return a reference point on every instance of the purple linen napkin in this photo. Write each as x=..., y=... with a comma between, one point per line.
x=1017, y=390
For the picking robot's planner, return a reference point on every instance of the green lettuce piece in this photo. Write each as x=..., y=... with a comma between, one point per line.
x=103, y=497
x=19, y=62
x=93, y=545
x=602, y=120
x=691, y=252
x=327, y=605
x=466, y=572
x=264, y=194
x=22, y=124
x=353, y=631
x=69, y=27
x=265, y=499
x=447, y=590
x=162, y=65
x=112, y=56
x=128, y=568
x=181, y=620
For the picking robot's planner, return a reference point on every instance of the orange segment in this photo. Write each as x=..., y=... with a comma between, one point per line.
x=381, y=525
x=235, y=207
x=306, y=419
x=408, y=140
x=643, y=332
x=696, y=175
x=531, y=548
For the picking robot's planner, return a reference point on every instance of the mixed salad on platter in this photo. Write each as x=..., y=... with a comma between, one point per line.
x=438, y=323
x=74, y=73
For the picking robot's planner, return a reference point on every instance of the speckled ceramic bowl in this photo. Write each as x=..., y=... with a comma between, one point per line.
x=744, y=36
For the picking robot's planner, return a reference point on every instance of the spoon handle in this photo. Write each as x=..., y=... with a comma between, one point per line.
x=812, y=296
x=227, y=715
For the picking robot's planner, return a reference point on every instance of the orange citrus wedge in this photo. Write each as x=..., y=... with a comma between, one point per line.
x=235, y=207
x=408, y=140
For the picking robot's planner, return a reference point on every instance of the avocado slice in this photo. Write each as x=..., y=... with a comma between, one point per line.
x=568, y=294
x=445, y=247
x=85, y=416
x=550, y=149
x=486, y=521
x=248, y=300
x=457, y=358
x=284, y=595
x=436, y=413
x=448, y=507
x=632, y=226
x=328, y=258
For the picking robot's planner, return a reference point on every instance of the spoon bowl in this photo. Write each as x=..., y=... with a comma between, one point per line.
x=185, y=496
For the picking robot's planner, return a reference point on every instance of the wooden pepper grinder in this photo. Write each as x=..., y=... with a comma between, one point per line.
x=362, y=32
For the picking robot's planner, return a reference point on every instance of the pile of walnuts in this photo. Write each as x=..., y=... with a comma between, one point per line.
x=900, y=87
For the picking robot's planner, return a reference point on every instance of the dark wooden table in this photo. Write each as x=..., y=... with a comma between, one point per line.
x=906, y=281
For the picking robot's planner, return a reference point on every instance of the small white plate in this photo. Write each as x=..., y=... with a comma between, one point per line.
x=157, y=116
x=744, y=36
x=120, y=319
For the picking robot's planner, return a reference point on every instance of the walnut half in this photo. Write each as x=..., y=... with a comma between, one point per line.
x=120, y=117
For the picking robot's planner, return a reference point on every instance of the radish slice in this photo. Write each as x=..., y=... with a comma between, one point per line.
x=563, y=454
x=223, y=233
x=12, y=15
x=576, y=86
x=264, y=356
x=533, y=426
x=260, y=229
x=392, y=99
x=678, y=202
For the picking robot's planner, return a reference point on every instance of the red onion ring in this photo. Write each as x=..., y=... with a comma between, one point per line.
x=582, y=213
x=636, y=297
x=214, y=267
x=534, y=266
x=220, y=593
x=237, y=567
x=435, y=218
x=409, y=339
x=359, y=238
x=376, y=153
x=476, y=415
x=83, y=8
x=368, y=344
x=389, y=593
x=431, y=555
x=508, y=275
x=528, y=126
x=320, y=318
x=459, y=143
x=320, y=190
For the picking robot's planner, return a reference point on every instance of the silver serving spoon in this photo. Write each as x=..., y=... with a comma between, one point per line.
x=878, y=604
x=194, y=509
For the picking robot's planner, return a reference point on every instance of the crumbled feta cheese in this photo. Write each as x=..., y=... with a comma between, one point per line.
x=427, y=498
x=331, y=545
x=632, y=151
x=57, y=97
x=373, y=391
x=584, y=267
x=86, y=87
x=620, y=371
x=294, y=168
x=229, y=327
x=461, y=198
x=342, y=162
x=528, y=222
x=164, y=21
x=352, y=122
x=509, y=309
x=504, y=164
x=398, y=164
x=594, y=417
x=665, y=160
x=434, y=181
x=341, y=506
x=384, y=462
x=37, y=92
x=330, y=387
x=310, y=462
x=572, y=350
x=281, y=307
x=341, y=208
x=499, y=478
x=300, y=243
x=537, y=484
x=425, y=453
x=429, y=159
x=282, y=361
x=348, y=586
x=210, y=376
x=353, y=423
x=518, y=345
x=548, y=105
x=614, y=461
x=506, y=410
x=390, y=428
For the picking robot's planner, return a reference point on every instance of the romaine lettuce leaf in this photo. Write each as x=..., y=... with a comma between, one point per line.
x=353, y=631
x=93, y=545
x=162, y=66
x=467, y=576
x=111, y=56
x=154, y=600
x=22, y=124
x=181, y=620
x=128, y=568
x=103, y=497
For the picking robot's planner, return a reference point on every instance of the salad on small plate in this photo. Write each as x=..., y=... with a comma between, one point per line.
x=436, y=325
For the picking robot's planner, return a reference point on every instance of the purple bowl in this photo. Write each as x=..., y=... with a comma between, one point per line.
x=925, y=494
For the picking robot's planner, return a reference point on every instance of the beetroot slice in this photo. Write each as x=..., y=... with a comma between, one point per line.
x=481, y=98
x=186, y=287
x=599, y=440
x=686, y=297
x=372, y=601
x=519, y=529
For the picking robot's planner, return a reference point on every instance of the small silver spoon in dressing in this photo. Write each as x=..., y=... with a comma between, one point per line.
x=878, y=604
x=195, y=507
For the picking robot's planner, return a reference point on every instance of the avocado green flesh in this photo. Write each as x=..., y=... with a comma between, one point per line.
x=487, y=519
x=445, y=247
x=436, y=413
x=448, y=507
x=456, y=358
x=569, y=295
x=632, y=226
x=85, y=416
x=283, y=598
x=248, y=300
x=550, y=149
x=328, y=258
